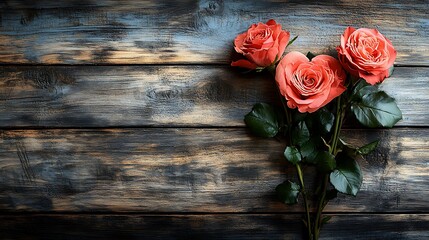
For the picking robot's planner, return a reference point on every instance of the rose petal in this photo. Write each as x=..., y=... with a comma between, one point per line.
x=294, y=59
x=260, y=58
x=373, y=79
x=272, y=55
x=271, y=22
x=244, y=64
x=307, y=85
x=280, y=79
x=345, y=36
x=263, y=43
x=366, y=53
x=282, y=42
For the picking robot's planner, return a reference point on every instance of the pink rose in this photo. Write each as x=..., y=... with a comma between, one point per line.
x=262, y=44
x=366, y=53
x=309, y=85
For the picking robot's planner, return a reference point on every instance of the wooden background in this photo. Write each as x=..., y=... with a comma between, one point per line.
x=123, y=119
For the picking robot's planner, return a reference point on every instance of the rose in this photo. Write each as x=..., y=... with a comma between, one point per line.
x=309, y=85
x=366, y=53
x=262, y=45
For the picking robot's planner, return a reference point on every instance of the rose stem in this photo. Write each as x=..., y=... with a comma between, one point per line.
x=298, y=169
x=304, y=195
x=333, y=150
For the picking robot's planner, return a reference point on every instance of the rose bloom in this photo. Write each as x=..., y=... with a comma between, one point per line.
x=309, y=85
x=366, y=53
x=262, y=44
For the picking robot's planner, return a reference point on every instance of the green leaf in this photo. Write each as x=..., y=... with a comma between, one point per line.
x=262, y=120
x=325, y=162
x=309, y=151
x=374, y=108
x=288, y=192
x=363, y=88
x=325, y=120
x=368, y=148
x=291, y=41
x=347, y=177
x=377, y=110
x=326, y=219
x=348, y=149
x=298, y=116
x=300, y=134
x=292, y=155
x=310, y=55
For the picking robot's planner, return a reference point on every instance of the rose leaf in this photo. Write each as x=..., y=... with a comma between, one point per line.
x=377, y=110
x=325, y=120
x=347, y=177
x=309, y=151
x=361, y=89
x=262, y=120
x=291, y=41
x=288, y=192
x=292, y=155
x=310, y=55
x=300, y=134
x=325, y=162
x=326, y=219
x=368, y=148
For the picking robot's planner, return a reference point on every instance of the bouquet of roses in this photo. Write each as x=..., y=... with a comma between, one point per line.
x=317, y=93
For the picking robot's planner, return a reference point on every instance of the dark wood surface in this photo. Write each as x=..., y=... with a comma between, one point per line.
x=206, y=170
x=188, y=31
x=129, y=96
x=122, y=119
x=210, y=226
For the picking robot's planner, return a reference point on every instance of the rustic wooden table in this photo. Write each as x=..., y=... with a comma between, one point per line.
x=123, y=119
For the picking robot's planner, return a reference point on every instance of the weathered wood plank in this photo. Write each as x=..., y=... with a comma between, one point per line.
x=193, y=31
x=223, y=226
x=192, y=170
x=100, y=96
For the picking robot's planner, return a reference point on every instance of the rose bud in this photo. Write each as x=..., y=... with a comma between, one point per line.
x=366, y=53
x=262, y=45
x=309, y=85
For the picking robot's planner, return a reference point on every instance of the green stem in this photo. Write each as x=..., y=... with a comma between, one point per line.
x=318, y=219
x=333, y=150
x=298, y=169
x=287, y=113
x=338, y=123
x=304, y=195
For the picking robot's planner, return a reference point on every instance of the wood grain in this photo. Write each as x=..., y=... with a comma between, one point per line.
x=218, y=226
x=103, y=96
x=137, y=32
x=192, y=170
